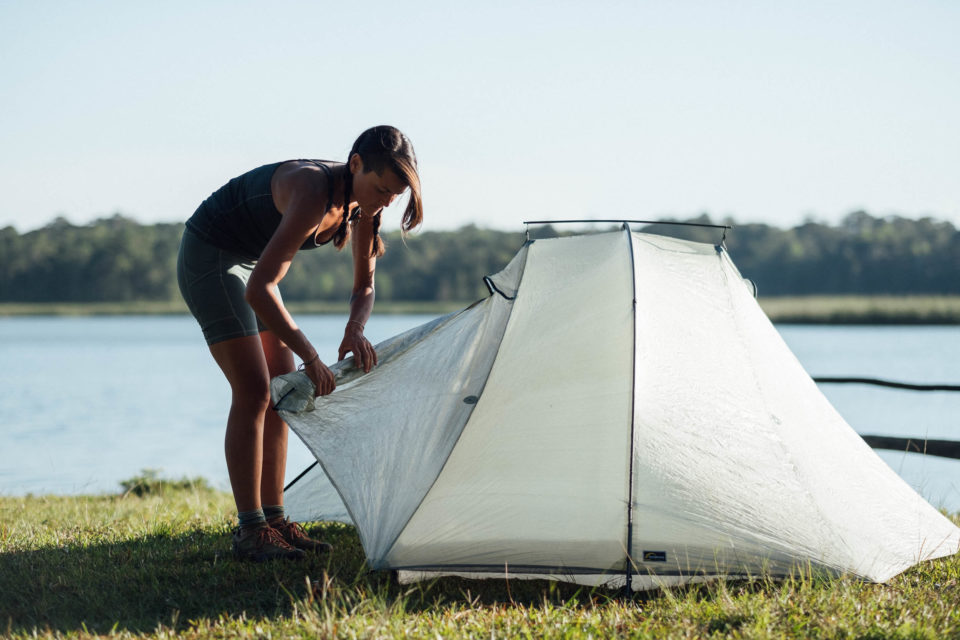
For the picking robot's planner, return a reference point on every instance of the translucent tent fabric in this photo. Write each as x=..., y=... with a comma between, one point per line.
x=620, y=406
x=382, y=459
x=741, y=464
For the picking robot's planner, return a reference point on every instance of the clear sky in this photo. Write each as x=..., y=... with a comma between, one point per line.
x=769, y=111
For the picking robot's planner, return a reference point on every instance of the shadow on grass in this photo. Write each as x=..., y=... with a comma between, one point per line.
x=171, y=580
x=160, y=579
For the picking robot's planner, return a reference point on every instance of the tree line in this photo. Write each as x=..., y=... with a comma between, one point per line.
x=116, y=259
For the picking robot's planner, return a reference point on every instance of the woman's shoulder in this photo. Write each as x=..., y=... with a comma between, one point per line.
x=303, y=174
x=304, y=178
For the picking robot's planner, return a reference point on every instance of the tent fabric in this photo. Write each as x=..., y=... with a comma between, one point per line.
x=311, y=497
x=618, y=408
x=380, y=458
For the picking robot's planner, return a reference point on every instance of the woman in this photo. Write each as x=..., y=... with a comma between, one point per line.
x=236, y=248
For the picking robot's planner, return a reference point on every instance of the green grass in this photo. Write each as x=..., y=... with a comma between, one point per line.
x=157, y=565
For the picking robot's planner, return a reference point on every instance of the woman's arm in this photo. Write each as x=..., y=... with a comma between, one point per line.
x=305, y=200
x=361, y=299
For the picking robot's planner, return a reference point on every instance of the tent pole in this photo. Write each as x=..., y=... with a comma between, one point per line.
x=628, y=587
x=302, y=473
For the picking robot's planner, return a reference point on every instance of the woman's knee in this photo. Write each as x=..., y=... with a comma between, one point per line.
x=243, y=363
x=279, y=357
x=251, y=394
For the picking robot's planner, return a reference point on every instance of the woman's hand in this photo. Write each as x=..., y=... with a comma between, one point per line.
x=354, y=341
x=321, y=376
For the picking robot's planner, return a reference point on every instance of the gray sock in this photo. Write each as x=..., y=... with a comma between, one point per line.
x=251, y=518
x=273, y=511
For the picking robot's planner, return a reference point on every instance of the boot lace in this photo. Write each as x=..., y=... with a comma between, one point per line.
x=289, y=529
x=270, y=536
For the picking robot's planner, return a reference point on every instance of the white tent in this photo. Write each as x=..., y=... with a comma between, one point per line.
x=618, y=409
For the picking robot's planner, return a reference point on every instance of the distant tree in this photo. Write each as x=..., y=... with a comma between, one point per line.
x=118, y=259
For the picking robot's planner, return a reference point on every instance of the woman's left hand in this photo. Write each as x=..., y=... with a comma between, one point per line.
x=355, y=342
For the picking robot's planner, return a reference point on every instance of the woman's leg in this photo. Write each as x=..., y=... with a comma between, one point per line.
x=279, y=360
x=243, y=363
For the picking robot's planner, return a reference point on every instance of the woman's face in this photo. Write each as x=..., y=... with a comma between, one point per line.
x=374, y=191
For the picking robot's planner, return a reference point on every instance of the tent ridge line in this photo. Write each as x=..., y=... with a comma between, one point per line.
x=332, y=482
x=633, y=400
x=339, y=493
x=400, y=530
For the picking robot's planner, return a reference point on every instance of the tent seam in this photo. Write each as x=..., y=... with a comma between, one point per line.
x=633, y=409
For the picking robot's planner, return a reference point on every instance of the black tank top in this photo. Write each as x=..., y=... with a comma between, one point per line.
x=240, y=216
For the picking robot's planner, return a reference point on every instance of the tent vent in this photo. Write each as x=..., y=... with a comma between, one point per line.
x=495, y=289
x=471, y=400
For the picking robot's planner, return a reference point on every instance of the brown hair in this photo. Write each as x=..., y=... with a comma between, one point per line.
x=380, y=148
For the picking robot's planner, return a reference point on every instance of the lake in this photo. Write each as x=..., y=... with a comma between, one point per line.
x=90, y=401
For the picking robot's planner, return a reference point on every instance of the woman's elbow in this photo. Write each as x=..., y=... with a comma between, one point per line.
x=254, y=295
x=362, y=290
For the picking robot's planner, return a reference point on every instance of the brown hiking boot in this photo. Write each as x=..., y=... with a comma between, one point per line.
x=262, y=543
x=294, y=535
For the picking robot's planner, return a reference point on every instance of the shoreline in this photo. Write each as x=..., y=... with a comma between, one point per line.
x=857, y=309
x=149, y=308
x=820, y=309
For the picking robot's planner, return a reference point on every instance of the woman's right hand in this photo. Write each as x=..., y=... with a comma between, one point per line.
x=321, y=376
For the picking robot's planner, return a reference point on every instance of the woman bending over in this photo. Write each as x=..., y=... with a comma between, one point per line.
x=235, y=250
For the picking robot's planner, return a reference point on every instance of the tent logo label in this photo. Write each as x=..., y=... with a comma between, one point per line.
x=654, y=556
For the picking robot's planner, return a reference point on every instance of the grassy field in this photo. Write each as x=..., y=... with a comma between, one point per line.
x=796, y=309
x=154, y=562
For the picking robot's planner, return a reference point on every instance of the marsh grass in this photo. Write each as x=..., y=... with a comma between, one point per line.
x=157, y=565
x=849, y=309
x=177, y=307
x=840, y=309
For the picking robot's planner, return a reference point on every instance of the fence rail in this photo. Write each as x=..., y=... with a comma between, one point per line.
x=940, y=448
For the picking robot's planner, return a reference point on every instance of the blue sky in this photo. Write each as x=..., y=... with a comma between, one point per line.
x=764, y=111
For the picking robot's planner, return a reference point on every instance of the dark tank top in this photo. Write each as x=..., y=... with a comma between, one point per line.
x=240, y=216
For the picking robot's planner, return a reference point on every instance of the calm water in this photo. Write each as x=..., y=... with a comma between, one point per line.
x=88, y=402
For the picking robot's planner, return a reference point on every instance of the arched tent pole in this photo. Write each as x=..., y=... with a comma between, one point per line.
x=725, y=227
x=628, y=587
